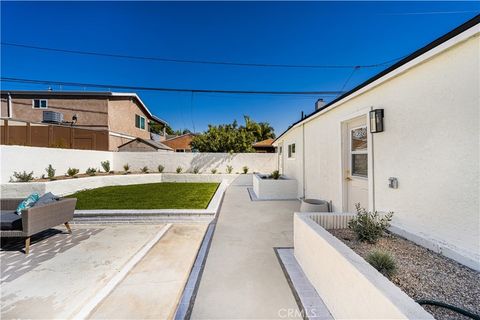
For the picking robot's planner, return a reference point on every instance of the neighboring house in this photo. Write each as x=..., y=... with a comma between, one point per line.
x=124, y=115
x=264, y=146
x=143, y=145
x=180, y=143
x=424, y=166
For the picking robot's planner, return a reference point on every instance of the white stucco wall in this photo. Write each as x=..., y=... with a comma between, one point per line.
x=256, y=162
x=20, y=158
x=430, y=143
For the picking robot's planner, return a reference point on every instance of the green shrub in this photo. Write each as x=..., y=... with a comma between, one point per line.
x=126, y=167
x=245, y=170
x=106, y=165
x=22, y=176
x=196, y=170
x=72, y=172
x=160, y=168
x=213, y=171
x=50, y=172
x=383, y=261
x=369, y=226
x=91, y=171
x=275, y=175
x=144, y=169
x=179, y=169
x=229, y=169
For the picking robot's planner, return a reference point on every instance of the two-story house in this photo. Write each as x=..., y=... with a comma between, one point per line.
x=123, y=115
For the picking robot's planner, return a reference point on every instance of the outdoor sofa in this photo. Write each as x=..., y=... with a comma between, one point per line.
x=35, y=219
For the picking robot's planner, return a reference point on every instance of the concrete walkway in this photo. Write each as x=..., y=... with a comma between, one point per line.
x=242, y=278
x=153, y=287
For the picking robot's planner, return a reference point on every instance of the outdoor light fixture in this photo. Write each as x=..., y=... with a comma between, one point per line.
x=376, y=120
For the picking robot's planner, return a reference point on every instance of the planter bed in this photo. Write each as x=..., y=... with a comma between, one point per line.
x=271, y=189
x=163, y=195
x=423, y=274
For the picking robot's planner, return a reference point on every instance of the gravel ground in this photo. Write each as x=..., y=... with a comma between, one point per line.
x=423, y=274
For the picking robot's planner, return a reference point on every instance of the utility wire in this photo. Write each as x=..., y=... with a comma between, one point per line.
x=229, y=63
x=348, y=79
x=140, y=88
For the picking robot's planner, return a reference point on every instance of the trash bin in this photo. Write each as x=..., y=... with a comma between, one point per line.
x=314, y=205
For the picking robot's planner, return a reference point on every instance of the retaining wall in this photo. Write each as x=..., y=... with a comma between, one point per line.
x=21, y=158
x=349, y=286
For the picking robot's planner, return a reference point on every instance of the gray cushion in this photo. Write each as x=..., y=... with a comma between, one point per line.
x=46, y=199
x=9, y=220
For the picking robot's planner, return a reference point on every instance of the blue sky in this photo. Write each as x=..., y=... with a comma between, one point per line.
x=327, y=33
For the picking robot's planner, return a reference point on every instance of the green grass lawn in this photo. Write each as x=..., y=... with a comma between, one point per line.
x=164, y=195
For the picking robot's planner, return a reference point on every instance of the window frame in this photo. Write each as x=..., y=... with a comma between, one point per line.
x=357, y=152
x=40, y=103
x=291, y=151
x=140, y=118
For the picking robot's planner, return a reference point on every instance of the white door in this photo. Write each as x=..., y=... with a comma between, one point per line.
x=356, y=164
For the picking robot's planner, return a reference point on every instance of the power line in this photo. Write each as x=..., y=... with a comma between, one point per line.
x=140, y=88
x=229, y=63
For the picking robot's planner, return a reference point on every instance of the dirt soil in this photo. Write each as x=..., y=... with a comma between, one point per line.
x=424, y=274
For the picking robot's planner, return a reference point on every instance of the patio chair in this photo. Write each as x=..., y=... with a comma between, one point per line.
x=35, y=219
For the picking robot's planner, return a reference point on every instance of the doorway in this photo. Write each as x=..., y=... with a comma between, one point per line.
x=355, y=164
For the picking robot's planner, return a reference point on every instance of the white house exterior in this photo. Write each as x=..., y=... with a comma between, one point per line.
x=430, y=144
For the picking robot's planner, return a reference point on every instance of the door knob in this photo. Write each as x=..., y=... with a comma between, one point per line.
x=348, y=178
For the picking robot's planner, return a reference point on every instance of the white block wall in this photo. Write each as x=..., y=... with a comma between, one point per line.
x=20, y=158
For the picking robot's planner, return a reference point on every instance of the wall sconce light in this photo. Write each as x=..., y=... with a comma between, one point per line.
x=376, y=120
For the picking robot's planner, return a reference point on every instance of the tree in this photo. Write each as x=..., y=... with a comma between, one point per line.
x=231, y=137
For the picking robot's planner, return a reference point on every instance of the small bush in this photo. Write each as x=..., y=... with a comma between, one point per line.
x=369, y=226
x=144, y=169
x=22, y=176
x=229, y=169
x=179, y=169
x=275, y=175
x=91, y=171
x=50, y=172
x=106, y=165
x=160, y=168
x=245, y=170
x=213, y=171
x=126, y=167
x=196, y=170
x=72, y=172
x=383, y=261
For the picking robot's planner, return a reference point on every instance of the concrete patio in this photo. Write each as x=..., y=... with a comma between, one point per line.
x=66, y=276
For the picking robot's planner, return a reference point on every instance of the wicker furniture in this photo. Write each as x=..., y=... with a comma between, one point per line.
x=37, y=218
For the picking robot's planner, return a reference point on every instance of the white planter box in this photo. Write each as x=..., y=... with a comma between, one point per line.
x=349, y=286
x=281, y=189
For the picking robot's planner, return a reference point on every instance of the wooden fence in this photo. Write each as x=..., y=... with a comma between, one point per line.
x=14, y=132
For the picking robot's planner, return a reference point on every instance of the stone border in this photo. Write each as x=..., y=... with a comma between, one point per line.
x=349, y=286
x=310, y=303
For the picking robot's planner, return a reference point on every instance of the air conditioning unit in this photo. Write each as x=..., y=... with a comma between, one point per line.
x=52, y=117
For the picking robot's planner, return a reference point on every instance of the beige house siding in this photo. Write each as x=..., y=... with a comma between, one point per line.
x=4, y=108
x=91, y=113
x=115, y=141
x=121, y=118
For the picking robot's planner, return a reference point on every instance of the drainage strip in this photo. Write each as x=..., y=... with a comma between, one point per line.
x=310, y=303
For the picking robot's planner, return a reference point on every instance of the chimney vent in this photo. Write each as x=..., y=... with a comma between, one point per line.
x=319, y=104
